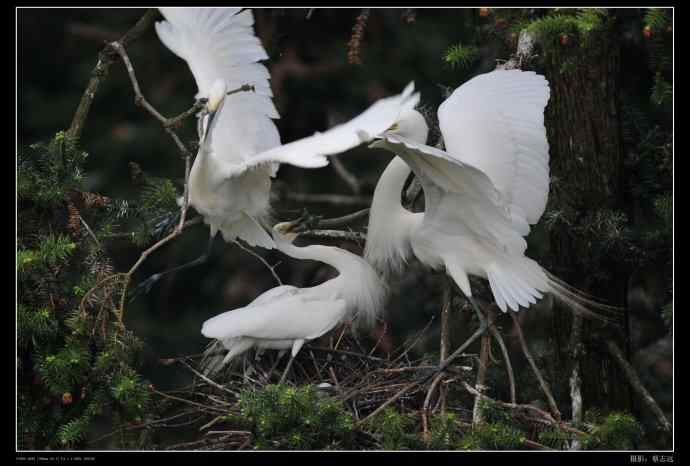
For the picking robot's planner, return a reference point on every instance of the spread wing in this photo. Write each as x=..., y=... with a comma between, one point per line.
x=459, y=199
x=311, y=152
x=495, y=122
x=219, y=43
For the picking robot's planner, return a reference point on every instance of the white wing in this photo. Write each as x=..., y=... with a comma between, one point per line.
x=458, y=196
x=311, y=152
x=219, y=43
x=467, y=227
x=495, y=122
x=275, y=293
x=297, y=316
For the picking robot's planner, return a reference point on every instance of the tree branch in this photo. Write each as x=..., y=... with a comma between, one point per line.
x=106, y=57
x=355, y=236
x=636, y=383
x=542, y=382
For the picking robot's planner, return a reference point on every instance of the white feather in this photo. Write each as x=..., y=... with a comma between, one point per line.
x=311, y=151
x=286, y=316
x=495, y=122
x=480, y=195
x=240, y=151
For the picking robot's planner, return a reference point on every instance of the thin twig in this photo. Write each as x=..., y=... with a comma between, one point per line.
x=141, y=101
x=341, y=221
x=542, y=382
x=270, y=267
x=88, y=228
x=383, y=334
x=205, y=379
x=345, y=175
x=458, y=352
x=506, y=358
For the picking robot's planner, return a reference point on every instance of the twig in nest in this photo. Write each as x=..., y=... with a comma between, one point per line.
x=443, y=366
x=355, y=44
x=206, y=379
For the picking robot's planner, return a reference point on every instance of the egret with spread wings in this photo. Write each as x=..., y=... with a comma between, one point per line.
x=481, y=194
x=240, y=149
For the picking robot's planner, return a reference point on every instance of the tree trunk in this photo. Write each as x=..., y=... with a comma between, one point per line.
x=584, y=129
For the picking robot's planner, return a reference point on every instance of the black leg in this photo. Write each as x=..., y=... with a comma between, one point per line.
x=145, y=286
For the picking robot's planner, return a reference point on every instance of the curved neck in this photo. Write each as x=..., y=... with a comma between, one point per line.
x=390, y=185
x=334, y=257
x=388, y=232
x=357, y=282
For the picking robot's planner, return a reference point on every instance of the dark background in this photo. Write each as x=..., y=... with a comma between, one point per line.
x=315, y=87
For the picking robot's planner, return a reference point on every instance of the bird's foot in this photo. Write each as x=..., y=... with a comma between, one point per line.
x=144, y=287
x=307, y=221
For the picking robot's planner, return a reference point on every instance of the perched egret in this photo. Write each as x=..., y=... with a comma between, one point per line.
x=481, y=195
x=286, y=316
x=240, y=149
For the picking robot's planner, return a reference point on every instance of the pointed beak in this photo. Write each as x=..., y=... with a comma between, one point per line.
x=285, y=228
x=208, y=115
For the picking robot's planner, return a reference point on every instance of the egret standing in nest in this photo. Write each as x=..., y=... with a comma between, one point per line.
x=286, y=317
x=240, y=149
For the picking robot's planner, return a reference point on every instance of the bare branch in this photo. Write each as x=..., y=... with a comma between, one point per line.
x=575, y=379
x=100, y=72
x=141, y=101
x=345, y=175
x=542, y=382
x=355, y=236
x=636, y=383
x=270, y=267
x=480, y=385
x=506, y=358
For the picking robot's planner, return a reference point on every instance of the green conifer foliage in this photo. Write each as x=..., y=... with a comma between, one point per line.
x=75, y=360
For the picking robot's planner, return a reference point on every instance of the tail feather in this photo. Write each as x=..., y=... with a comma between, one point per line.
x=215, y=359
x=520, y=282
x=580, y=302
x=249, y=230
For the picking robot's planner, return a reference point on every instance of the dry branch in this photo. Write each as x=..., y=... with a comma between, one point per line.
x=106, y=57
x=542, y=382
x=636, y=383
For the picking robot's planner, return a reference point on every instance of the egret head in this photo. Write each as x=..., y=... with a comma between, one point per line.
x=286, y=231
x=411, y=125
x=216, y=95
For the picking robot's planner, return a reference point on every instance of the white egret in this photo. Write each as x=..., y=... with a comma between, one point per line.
x=286, y=316
x=481, y=194
x=240, y=150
